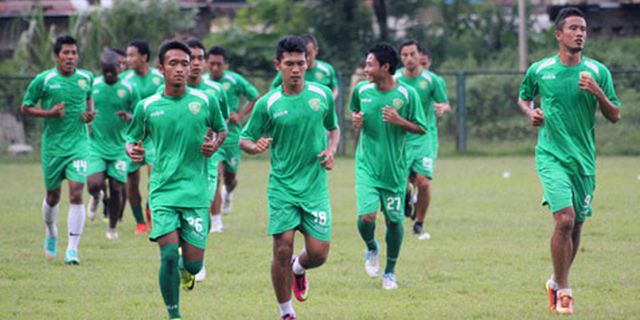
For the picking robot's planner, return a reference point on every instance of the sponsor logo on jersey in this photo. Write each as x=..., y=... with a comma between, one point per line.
x=314, y=104
x=423, y=84
x=280, y=114
x=156, y=81
x=397, y=103
x=55, y=86
x=82, y=83
x=365, y=100
x=157, y=113
x=121, y=93
x=195, y=107
x=549, y=77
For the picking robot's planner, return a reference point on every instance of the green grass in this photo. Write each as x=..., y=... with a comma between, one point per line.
x=488, y=257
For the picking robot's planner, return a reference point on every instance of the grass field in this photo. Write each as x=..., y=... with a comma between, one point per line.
x=488, y=257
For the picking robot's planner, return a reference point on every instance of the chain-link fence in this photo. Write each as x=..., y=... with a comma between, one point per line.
x=485, y=119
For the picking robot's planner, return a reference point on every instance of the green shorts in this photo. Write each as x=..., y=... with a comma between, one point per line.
x=55, y=169
x=229, y=154
x=422, y=159
x=562, y=190
x=149, y=157
x=116, y=168
x=212, y=176
x=370, y=199
x=312, y=217
x=193, y=223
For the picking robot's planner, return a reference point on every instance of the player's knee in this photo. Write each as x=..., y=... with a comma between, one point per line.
x=53, y=198
x=193, y=267
x=368, y=218
x=94, y=188
x=319, y=257
x=169, y=255
x=283, y=254
x=75, y=195
x=564, y=222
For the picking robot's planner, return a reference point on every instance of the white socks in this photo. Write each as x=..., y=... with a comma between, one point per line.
x=297, y=267
x=552, y=283
x=75, y=222
x=50, y=215
x=286, y=308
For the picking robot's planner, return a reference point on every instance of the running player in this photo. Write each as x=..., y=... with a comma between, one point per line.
x=236, y=87
x=422, y=150
x=146, y=81
x=298, y=191
x=114, y=101
x=180, y=121
x=122, y=59
x=64, y=96
x=317, y=70
x=571, y=88
x=384, y=110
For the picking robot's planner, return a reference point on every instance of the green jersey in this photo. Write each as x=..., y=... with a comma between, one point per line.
x=67, y=135
x=567, y=135
x=297, y=124
x=107, y=129
x=214, y=90
x=146, y=85
x=321, y=73
x=236, y=86
x=381, y=157
x=177, y=126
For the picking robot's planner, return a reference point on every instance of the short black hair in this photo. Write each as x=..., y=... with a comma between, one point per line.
x=424, y=51
x=170, y=45
x=290, y=44
x=195, y=43
x=308, y=38
x=411, y=42
x=386, y=54
x=566, y=13
x=62, y=40
x=217, y=51
x=142, y=46
x=119, y=52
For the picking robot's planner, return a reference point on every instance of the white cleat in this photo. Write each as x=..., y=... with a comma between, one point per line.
x=201, y=274
x=227, y=200
x=112, y=234
x=389, y=281
x=424, y=236
x=92, y=208
x=371, y=263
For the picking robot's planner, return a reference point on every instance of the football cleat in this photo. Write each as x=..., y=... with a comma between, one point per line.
x=50, y=247
x=289, y=316
x=71, y=257
x=141, y=228
x=564, y=303
x=187, y=280
x=92, y=208
x=201, y=274
x=552, y=296
x=389, y=281
x=371, y=262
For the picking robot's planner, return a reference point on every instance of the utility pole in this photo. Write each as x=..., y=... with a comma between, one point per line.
x=522, y=35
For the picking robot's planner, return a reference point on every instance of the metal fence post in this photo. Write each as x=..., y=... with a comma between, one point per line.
x=461, y=125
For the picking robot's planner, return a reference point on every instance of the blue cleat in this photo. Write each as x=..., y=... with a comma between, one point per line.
x=50, y=247
x=71, y=257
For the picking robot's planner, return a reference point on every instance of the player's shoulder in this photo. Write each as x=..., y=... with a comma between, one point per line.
x=542, y=64
x=269, y=98
x=49, y=73
x=596, y=66
x=232, y=76
x=320, y=89
x=99, y=80
x=406, y=90
x=210, y=83
x=149, y=101
x=363, y=86
x=325, y=66
x=196, y=94
x=85, y=73
x=155, y=72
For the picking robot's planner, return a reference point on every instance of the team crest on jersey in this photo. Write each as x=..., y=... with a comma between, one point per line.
x=423, y=85
x=226, y=86
x=319, y=75
x=397, y=103
x=195, y=107
x=82, y=83
x=314, y=104
x=156, y=81
x=121, y=93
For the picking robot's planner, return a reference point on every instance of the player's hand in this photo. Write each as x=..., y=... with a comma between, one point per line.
x=391, y=115
x=441, y=108
x=234, y=118
x=262, y=145
x=328, y=160
x=536, y=117
x=57, y=111
x=88, y=116
x=208, y=147
x=135, y=151
x=124, y=116
x=588, y=84
x=356, y=119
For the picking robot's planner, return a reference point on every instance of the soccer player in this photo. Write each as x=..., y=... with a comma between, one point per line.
x=571, y=88
x=146, y=81
x=298, y=191
x=180, y=121
x=317, y=70
x=422, y=149
x=122, y=59
x=114, y=100
x=66, y=105
x=385, y=110
x=236, y=87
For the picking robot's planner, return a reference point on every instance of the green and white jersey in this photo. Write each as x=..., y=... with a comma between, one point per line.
x=146, y=85
x=298, y=125
x=214, y=88
x=381, y=156
x=177, y=126
x=67, y=135
x=107, y=129
x=431, y=89
x=236, y=86
x=567, y=135
x=322, y=73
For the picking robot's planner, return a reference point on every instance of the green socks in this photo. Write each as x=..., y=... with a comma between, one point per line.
x=193, y=267
x=367, y=232
x=169, y=279
x=395, y=233
x=137, y=214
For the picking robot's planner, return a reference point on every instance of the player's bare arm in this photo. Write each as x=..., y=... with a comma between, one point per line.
x=535, y=116
x=259, y=146
x=329, y=153
x=246, y=111
x=391, y=115
x=57, y=111
x=441, y=108
x=210, y=146
x=608, y=109
x=135, y=151
x=124, y=116
x=90, y=113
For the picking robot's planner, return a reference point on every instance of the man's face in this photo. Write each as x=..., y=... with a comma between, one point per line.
x=217, y=64
x=425, y=61
x=176, y=68
x=410, y=57
x=67, y=58
x=373, y=69
x=122, y=63
x=134, y=59
x=110, y=73
x=292, y=65
x=312, y=52
x=197, y=62
x=573, y=34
